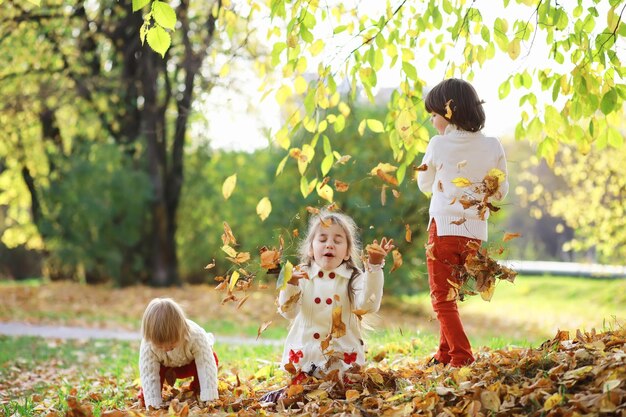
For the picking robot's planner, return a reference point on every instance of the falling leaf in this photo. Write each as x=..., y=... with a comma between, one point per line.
x=407, y=233
x=295, y=233
x=384, y=167
x=461, y=182
x=452, y=294
x=338, y=328
x=312, y=210
x=341, y=186
x=448, y=114
x=228, y=236
x=360, y=313
x=270, y=259
x=229, y=186
x=222, y=285
x=262, y=328
x=284, y=276
x=332, y=206
x=243, y=300
x=383, y=195
x=240, y=258
x=325, y=192
x=488, y=293
x=510, y=236
x=397, y=260
x=229, y=251
x=264, y=208
x=459, y=221
x=324, y=181
x=430, y=251
x=440, y=186
x=423, y=167
x=395, y=193
x=386, y=177
x=233, y=280
x=461, y=164
x=211, y=265
x=343, y=159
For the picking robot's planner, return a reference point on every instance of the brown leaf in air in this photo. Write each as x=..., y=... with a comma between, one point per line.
x=343, y=159
x=270, y=259
x=386, y=177
x=262, y=328
x=423, y=167
x=295, y=233
x=510, y=236
x=240, y=258
x=397, y=260
x=312, y=210
x=440, y=186
x=242, y=301
x=395, y=193
x=341, y=186
x=332, y=206
x=407, y=233
x=227, y=236
x=211, y=265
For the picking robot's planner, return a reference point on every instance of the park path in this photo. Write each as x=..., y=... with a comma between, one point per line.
x=17, y=328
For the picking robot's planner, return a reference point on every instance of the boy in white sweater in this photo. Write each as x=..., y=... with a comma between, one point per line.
x=173, y=347
x=458, y=209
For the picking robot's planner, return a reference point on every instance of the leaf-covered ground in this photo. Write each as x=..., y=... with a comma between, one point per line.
x=570, y=375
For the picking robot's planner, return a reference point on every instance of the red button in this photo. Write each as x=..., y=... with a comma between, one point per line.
x=331, y=275
x=320, y=274
x=318, y=300
x=329, y=301
x=316, y=335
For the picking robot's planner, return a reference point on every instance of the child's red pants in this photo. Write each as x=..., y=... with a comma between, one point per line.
x=450, y=253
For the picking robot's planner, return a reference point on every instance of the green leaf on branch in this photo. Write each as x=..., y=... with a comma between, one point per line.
x=164, y=15
x=139, y=4
x=159, y=40
x=609, y=100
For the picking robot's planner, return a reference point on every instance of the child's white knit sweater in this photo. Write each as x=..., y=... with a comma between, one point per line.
x=458, y=153
x=198, y=346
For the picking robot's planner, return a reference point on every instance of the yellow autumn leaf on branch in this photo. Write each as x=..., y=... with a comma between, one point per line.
x=264, y=208
x=229, y=186
x=461, y=182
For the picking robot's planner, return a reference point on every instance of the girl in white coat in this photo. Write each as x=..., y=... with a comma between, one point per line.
x=326, y=296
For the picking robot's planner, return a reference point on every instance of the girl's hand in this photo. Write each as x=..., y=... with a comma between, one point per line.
x=376, y=253
x=297, y=275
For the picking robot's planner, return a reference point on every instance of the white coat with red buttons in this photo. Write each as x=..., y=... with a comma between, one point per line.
x=312, y=317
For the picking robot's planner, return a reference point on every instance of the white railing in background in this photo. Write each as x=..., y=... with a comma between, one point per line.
x=566, y=269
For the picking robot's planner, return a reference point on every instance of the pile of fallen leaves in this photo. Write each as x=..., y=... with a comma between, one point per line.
x=584, y=375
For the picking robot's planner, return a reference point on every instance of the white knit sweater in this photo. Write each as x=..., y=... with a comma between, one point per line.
x=198, y=346
x=458, y=153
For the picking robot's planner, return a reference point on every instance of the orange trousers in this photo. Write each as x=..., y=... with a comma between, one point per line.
x=450, y=253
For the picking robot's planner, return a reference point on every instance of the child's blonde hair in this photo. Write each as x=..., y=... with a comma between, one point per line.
x=164, y=322
x=324, y=219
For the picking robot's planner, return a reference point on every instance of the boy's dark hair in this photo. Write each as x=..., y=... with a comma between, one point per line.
x=465, y=106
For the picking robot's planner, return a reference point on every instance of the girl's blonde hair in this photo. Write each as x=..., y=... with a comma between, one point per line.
x=164, y=322
x=324, y=219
